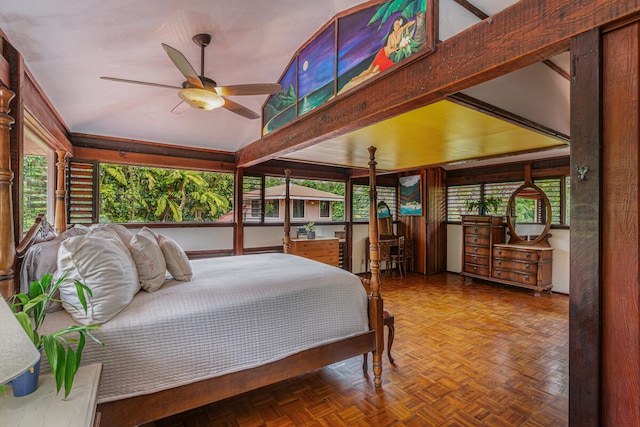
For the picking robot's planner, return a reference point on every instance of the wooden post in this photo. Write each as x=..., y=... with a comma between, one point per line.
x=286, y=242
x=60, y=220
x=7, y=241
x=375, y=300
x=238, y=235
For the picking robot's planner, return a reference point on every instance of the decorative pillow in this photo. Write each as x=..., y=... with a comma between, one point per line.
x=177, y=261
x=105, y=266
x=122, y=232
x=149, y=260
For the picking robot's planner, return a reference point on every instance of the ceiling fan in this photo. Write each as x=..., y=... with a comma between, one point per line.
x=202, y=92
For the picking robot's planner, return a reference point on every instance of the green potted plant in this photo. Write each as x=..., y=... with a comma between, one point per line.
x=311, y=230
x=484, y=205
x=57, y=346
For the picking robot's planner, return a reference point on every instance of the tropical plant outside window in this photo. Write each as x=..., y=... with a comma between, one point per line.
x=145, y=194
x=34, y=185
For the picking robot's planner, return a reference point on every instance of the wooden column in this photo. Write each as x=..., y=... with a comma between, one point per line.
x=238, y=235
x=7, y=241
x=60, y=221
x=585, y=285
x=375, y=300
x=620, y=227
x=286, y=241
x=436, y=221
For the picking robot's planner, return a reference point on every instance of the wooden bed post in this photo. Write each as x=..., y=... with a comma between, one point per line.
x=287, y=220
x=7, y=242
x=375, y=300
x=60, y=219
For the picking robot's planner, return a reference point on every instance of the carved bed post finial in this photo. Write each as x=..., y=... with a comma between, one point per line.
x=7, y=241
x=287, y=220
x=375, y=300
x=60, y=221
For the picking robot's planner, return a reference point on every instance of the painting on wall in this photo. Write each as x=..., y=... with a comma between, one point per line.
x=374, y=39
x=410, y=195
x=316, y=71
x=350, y=50
x=280, y=108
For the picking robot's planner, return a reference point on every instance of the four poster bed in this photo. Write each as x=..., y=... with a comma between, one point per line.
x=308, y=315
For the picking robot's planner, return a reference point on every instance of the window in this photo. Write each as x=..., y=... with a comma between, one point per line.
x=551, y=188
x=272, y=209
x=533, y=212
x=567, y=198
x=361, y=201
x=38, y=180
x=143, y=194
x=252, y=199
x=325, y=209
x=456, y=198
x=297, y=211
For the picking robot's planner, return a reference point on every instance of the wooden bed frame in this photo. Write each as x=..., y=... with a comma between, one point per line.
x=147, y=408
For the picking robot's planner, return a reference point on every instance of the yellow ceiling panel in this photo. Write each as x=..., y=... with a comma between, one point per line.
x=439, y=133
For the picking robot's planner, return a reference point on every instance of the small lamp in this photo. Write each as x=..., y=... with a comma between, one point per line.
x=17, y=352
x=201, y=98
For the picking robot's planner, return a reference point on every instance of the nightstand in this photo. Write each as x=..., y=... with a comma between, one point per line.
x=44, y=407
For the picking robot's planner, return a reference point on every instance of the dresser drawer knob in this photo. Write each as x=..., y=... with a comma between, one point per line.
x=475, y=268
x=499, y=262
x=475, y=249
x=475, y=239
x=500, y=252
x=527, y=266
x=528, y=255
x=526, y=278
x=475, y=230
x=499, y=273
x=475, y=258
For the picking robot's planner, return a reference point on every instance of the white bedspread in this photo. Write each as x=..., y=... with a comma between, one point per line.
x=237, y=312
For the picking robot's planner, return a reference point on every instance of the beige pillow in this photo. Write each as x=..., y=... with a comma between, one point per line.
x=103, y=265
x=149, y=260
x=177, y=261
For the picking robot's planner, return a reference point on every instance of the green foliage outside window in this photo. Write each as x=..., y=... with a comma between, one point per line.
x=145, y=194
x=34, y=189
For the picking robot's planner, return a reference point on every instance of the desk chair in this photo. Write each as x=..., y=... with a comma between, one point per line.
x=398, y=258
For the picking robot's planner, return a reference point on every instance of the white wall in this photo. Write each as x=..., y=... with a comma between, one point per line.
x=559, y=241
x=257, y=237
x=198, y=238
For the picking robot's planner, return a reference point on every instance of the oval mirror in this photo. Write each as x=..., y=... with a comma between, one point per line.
x=528, y=215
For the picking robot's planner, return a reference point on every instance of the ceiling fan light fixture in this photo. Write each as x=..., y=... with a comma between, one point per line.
x=201, y=98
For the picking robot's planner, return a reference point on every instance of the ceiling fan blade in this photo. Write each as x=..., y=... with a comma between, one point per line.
x=137, y=82
x=239, y=109
x=249, y=89
x=183, y=65
x=180, y=108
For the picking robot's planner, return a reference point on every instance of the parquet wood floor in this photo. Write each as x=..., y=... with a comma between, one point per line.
x=474, y=354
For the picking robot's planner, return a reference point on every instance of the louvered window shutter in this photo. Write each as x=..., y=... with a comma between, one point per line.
x=82, y=193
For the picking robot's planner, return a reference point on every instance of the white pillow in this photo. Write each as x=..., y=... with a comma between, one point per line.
x=103, y=265
x=177, y=261
x=149, y=260
x=123, y=233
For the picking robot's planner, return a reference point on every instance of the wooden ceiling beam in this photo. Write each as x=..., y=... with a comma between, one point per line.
x=529, y=31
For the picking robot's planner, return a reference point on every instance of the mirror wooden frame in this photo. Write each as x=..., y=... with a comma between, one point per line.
x=515, y=239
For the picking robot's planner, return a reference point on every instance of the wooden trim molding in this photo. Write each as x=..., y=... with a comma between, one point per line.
x=7, y=241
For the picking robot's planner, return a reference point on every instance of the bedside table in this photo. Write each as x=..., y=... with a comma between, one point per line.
x=44, y=407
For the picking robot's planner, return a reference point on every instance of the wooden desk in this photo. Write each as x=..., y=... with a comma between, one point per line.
x=386, y=249
x=322, y=249
x=44, y=407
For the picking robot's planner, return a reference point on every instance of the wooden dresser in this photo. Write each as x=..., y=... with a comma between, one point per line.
x=480, y=233
x=325, y=250
x=525, y=266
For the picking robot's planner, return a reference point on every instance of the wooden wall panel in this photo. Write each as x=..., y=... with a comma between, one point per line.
x=436, y=226
x=620, y=228
x=584, y=282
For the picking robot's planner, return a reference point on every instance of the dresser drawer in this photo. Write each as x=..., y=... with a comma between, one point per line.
x=476, y=259
x=510, y=264
x=477, y=269
x=477, y=250
x=316, y=245
x=477, y=230
x=476, y=239
x=514, y=276
x=516, y=254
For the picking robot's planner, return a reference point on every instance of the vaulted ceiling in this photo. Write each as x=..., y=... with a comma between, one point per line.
x=68, y=45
